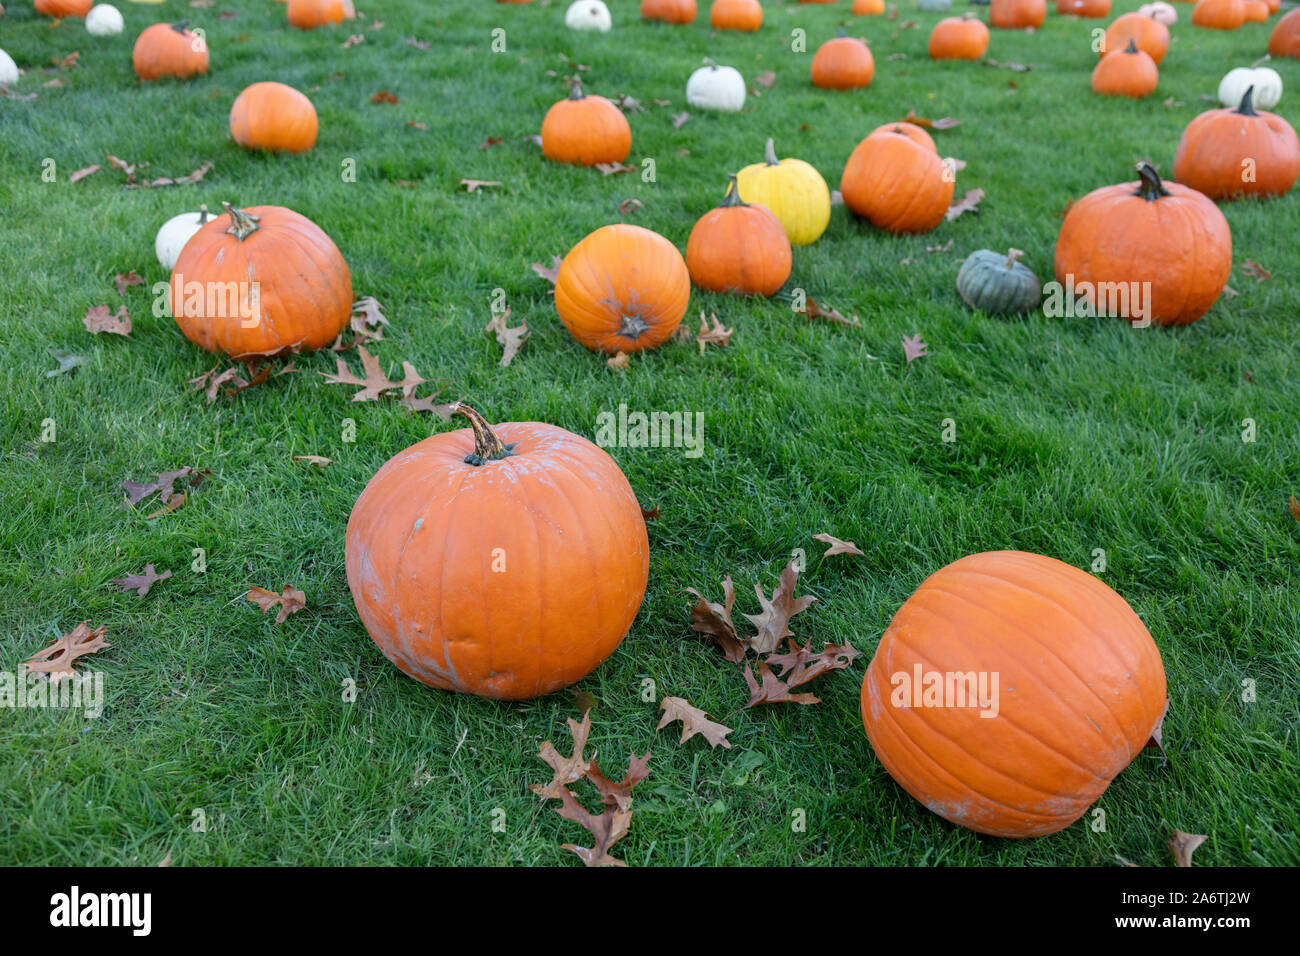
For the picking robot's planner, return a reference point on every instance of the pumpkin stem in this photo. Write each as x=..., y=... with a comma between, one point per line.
x=575, y=89
x=709, y=63
x=633, y=327
x=1261, y=61
x=1013, y=256
x=1132, y=46
x=1247, y=107
x=839, y=32
x=487, y=446
x=1151, y=188
x=181, y=26
x=204, y=216
x=769, y=153
x=733, y=195
x=242, y=225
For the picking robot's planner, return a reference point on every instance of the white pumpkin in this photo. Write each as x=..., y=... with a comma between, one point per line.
x=175, y=232
x=1160, y=12
x=8, y=70
x=588, y=15
x=716, y=87
x=1267, y=84
x=103, y=20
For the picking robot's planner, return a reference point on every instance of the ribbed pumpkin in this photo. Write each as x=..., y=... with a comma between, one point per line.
x=622, y=289
x=504, y=561
x=1285, y=38
x=959, y=38
x=843, y=63
x=1128, y=72
x=998, y=284
x=896, y=184
x=794, y=192
x=669, y=11
x=1151, y=36
x=1090, y=9
x=868, y=8
x=273, y=117
x=739, y=248
x=1256, y=11
x=1166, y=234
x=743, y=15
x=309, y=14
x=1080, y=689
x=1219, y=14
x=260, y=281
x=169, y=49
x=1017, y=14
x=913, y=132
x=585, y=130
x=1241, y=152
x=64, y=8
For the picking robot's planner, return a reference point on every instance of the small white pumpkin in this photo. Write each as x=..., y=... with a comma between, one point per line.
x=716, y=87
x=103, y=20
x=8, y=70
x=175, y=232
x=588, y=15
x=1160, y=12
x=1267, y=84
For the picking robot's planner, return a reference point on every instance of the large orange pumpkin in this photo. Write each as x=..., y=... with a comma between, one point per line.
x=169, y=49
x=669, y=11
x=1219, y=14
x=622, y=289
x=502, y=561
x=1127, y=72
x=1091, y=9
x=309, y=14
x=1010, y=690
x=959, y=38
x=1017, y=14
x=897, y=184
x=1227, y=153
x=843, y=63
x=869, y=8
x=585, y=130
x=274, y=117
x=260, y=281
x=64, y=8
x=743, y=15
x=1256, y=11
x=739, y=248
x=1285, y=38
x=1166, y=238
x=913, y=132
x=1151, y=36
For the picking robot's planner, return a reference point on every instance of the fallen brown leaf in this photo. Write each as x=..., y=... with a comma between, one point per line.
x=489, y=142
x=375, y=383
x=946, y=122
x=290, y=600
x=81, y=174
x=355, y=39
x=619, y=362
x=512, y=339
x=694, y=721
x=613, y=169
x=98, y=319
x=773, y=622
x=566, y=770
x=56, y=661
x=804, y=666
x=383, y=96
x=123, y=280
x=1252, y=268
x=836, y=545
x=1183, y=845
x=320, y=461
x=714, y=621
x=814, y=311
x=142, y=582
x=138, y=491
x=629, y=206
x=681, y=119
x=718, y=335
x=474, y=185
x=970, y=202
x=914, y=348
x=550, y=273
x=1294, y=506
x=769, y=689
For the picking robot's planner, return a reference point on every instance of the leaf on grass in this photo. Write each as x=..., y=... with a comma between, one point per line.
x=613, y=169
x=812, y=310
x=566, y=770
x=772, y=690
x=1157, y=734
x=773, y=622
x=320, y=461
x=80, y=174
x=98, y=319
x=123, y=280
x=627, y=104
x=511, y=339
x=802, y=665
x=67, y=62
x=584, y=700
x=836, y=545
x=946, y=122
x=1016, y=67
x=896, y=56
x=367, y=317
x=550, y=273
x=1295, y=508
x=970, y=202
x=193, y=177
x=138, y=491
x=423, y=127
x=383, y=96
x=714, y=621
x=356, y=39
x=619, y=362
x=914, y=348
x=629, y=206
x=67, y=362
x=418, y=43
x=1183, y=845
x=681, y=119
x=56, y=661
x=1252, y=268
x=606, y=829
x=142, y=582
x=489, y=142
x=943, y=248
x=719, y=335
x=766, y=79
x=375, y=383
x=290, y=600
x=654, y=513
x=474, y=185
x=426, y=404
x=174, y=502
x=694, y=721
x=619, y=795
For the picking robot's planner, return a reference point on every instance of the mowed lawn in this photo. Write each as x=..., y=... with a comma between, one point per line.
x=1073, y=435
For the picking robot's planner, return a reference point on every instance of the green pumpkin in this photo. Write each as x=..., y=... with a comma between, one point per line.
x=934, y=6
x=998, y=284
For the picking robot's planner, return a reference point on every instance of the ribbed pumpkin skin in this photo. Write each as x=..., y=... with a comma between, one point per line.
x=584, y=130
x=64, y=8
x=422, y=543
x=741, y=249
x=669, y=11
x=163, y=50
x=1219, y=14
x=1215, y=144
x=958, y=38
x=1080, y=688
x=794, y=192
x=1130, y=73
x=913, y=132
x=1091, y=9
x=1285, y=38
x=304, y=288
x=622, y=289
x=843, y=63
x=986, y=282
x=743, y=15
x=868, y=8
x=273, y=117
x=1151, y=36
x=896, y=184
x=1017, y=14
x=309, y=14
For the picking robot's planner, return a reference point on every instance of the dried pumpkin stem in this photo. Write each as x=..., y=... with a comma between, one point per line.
x=204, y=215
x=1151, y=187
x=181, y=26
x=769, y=153
x=1261, y=61
x=733, y=194
x=242, y=225
x=1247, y=107
x=487, y=446
x=575, y=88
x=1132, y=46
x=1014, y=256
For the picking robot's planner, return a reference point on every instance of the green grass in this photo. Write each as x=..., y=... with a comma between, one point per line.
x=1073, y=434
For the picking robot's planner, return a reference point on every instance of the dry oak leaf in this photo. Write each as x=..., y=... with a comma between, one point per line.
x=946, y=122
x=418, y=43
x=773, y=622
x=629, y=206
x=193, y=177
x=355, y=39
x=67, y=362
x=566, y=769
x=487, y=143
x=443, y=410
x=627, y=104
x=714, y=621
x=512, y=339
x=812, y=310
x=474, y=185
x=612, y=169
x=970, y=202
x=803, y=665
x=767, y=78
x=290, y=599
x=375, y=383
x=1016, y=67
x=619, y=795
x=550, y=273
x=681, y=119
x=320, y=461
x=914, y=348
x=772, y=690
x=836, y=545
x=124, y=279
x=694, y=721
x=606, y=829
x=1252, y=268
x=142, y=582
x=367, y=320
x=81, y=174
x=137, y=491
x=98, y=319
x=55, y=661
x=1183, y=845
x=1295, y=508
x=383, y=96
x=719, y=335
x=174, y=503
x=651, y=514
x=619, y=362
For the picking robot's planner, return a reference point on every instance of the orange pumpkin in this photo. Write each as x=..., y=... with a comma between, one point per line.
x=1256, y=11
x=897, y=184
x=1017, y=14
x=1285, y=38
x=959, y=38
x=585, y=130
x=739, y=248
x=1151, y=36
x=1273, y=6
x=843, y=63
x=669, y=11
x=504, y=561
x=169, y=49
x=1128, y=72
x=743, y=15
x=64, y=8
x=873, y=8
x=1229, y=153
x=273, y=117
x=1164, y=238
x=913, y=132
x=1009, y=690
x=309, y=14
x=1090, y=9
x=622, y=289
x=1219, y=14
x=261, y=281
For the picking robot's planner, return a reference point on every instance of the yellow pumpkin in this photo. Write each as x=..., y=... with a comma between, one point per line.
x=793, y=190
